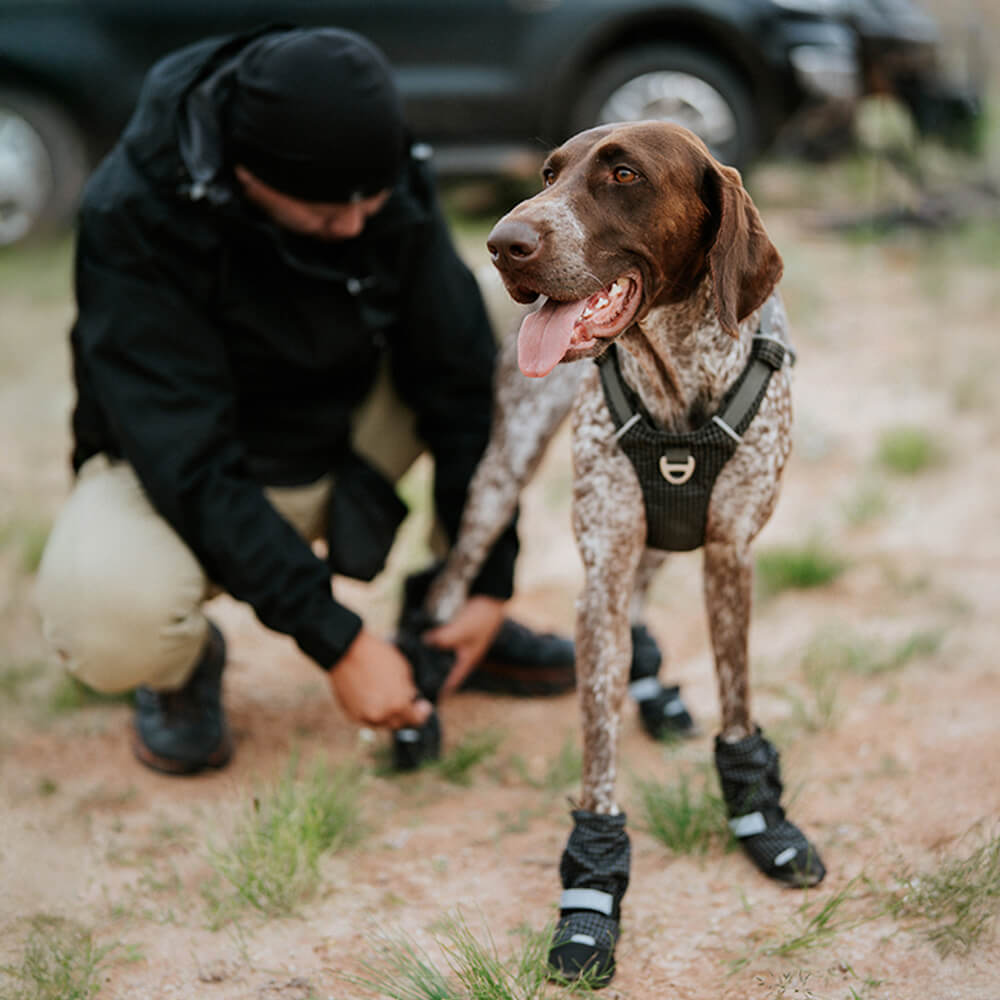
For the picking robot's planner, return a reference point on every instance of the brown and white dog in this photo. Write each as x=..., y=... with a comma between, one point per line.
x=642, y=239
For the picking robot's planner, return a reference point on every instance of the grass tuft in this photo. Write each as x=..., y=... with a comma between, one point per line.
x=836, y=651
x=957, y=903
x=456, y=765
x=474, y=969
x=908, y=451
x=564, y=770
x=797, y=568
x=61, y=961
x=272, y=860
x=687, y=819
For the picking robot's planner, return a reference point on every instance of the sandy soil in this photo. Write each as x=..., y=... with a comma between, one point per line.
x=905, y=773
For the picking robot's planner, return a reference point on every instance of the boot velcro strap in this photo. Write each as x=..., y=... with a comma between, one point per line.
x=645, y=688
x=750, y=824
x=587, y=899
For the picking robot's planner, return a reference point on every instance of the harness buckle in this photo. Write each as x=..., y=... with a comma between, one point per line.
x=676, y=472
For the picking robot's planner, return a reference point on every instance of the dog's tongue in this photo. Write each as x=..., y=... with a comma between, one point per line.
x=545, y=335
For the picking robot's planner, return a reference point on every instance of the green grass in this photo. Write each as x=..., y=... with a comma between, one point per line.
x=473, y=968
x=797, y=568
x=688, y=817
x=69, y=695
x=841, y=651
x=564, y=770
x=908, y=451
x=456, y=765
x=61, y=961
x=956, y=904
x=28, y=535
x=816, y=923
x=868, y=503
x=271, y=862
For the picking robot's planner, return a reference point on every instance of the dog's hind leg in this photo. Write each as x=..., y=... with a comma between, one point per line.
x=748, y=764
x=662, y=711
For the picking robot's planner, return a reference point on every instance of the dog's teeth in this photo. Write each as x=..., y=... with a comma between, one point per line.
x=602, y=302
x=587, y=313
x=616, y=289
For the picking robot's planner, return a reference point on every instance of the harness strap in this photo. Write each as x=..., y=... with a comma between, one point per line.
x=768, y=355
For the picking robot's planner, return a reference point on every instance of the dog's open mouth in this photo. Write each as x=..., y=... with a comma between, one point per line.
x=567, y=330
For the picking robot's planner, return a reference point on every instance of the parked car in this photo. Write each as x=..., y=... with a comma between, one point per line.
x=489, y=83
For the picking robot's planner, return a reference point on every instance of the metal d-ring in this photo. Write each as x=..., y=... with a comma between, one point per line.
x=676, y=473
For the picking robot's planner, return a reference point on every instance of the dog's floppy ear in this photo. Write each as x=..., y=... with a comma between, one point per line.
x=745, y=265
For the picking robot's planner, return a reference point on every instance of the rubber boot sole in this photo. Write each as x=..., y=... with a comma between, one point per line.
x=218, y=758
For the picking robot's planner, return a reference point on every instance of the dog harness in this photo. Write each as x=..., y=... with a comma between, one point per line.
x=678, y=471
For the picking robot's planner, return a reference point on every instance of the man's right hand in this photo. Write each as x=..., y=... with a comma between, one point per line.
x=373, y=683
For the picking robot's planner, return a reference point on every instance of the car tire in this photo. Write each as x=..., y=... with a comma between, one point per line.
x=679, y=84
x=43, y=166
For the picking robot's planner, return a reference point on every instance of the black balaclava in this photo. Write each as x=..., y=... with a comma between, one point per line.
x=316, y=115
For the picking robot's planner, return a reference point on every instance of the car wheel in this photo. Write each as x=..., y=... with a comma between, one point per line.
x=677, y=84
x=43, y=166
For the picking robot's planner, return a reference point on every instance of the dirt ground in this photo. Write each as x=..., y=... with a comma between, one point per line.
x=897, y=769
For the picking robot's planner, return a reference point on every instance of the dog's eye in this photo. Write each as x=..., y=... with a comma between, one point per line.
x=548, y=176
x=624, y=175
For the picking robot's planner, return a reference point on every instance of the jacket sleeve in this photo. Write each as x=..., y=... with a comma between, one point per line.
x=444, y=359
x=159, y=370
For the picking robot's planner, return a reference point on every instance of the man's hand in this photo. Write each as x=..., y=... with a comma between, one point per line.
x=373, y=683
x=468, y=635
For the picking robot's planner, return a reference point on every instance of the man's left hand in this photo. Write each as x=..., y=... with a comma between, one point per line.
x=468, y=635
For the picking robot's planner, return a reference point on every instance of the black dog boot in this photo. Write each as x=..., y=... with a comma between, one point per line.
x=594, y=870
x=661, y=711
x=750, y=776
x=518, y=662
x=415, y=746
x=185, y=731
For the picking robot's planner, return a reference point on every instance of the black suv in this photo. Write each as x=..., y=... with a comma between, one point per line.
x=489, y=83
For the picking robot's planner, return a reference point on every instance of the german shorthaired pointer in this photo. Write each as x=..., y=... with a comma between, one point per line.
x=648, y=254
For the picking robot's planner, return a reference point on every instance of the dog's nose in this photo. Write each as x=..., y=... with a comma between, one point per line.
x=513, y=241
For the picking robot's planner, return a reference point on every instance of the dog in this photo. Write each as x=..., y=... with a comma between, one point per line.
x=646, y=254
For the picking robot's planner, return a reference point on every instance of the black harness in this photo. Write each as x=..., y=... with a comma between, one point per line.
x=678, y=471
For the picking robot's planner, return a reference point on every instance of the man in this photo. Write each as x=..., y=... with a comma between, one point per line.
x=261, y=244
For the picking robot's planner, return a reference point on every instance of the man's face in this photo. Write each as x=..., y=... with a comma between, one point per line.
x=322, y=220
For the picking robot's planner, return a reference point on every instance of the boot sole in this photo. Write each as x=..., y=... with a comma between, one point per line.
x=218, y=758
x=525, y=682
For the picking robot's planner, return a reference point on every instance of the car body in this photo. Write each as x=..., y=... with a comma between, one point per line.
x=489, y=83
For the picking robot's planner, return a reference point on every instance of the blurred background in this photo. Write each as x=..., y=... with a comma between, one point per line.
x=492, y=84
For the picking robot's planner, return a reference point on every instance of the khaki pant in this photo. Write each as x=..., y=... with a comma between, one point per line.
x=121, y=595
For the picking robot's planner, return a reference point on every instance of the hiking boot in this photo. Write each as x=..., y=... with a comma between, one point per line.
x=523, y=662
x=184, y=731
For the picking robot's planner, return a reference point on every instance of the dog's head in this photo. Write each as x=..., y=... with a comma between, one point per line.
x=631, y=216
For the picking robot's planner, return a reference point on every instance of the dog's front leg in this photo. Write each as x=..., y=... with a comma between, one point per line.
x=747, y=762
x=610, y=528
x=527, y=414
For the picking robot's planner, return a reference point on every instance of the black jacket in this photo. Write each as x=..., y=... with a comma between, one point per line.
x=216, y=352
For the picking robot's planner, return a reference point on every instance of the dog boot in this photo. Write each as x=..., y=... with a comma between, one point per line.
x=594, y=870
x=661, y=711
x=185, y=731
x=750, y=776
x=520, y=661
x=413, y=747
